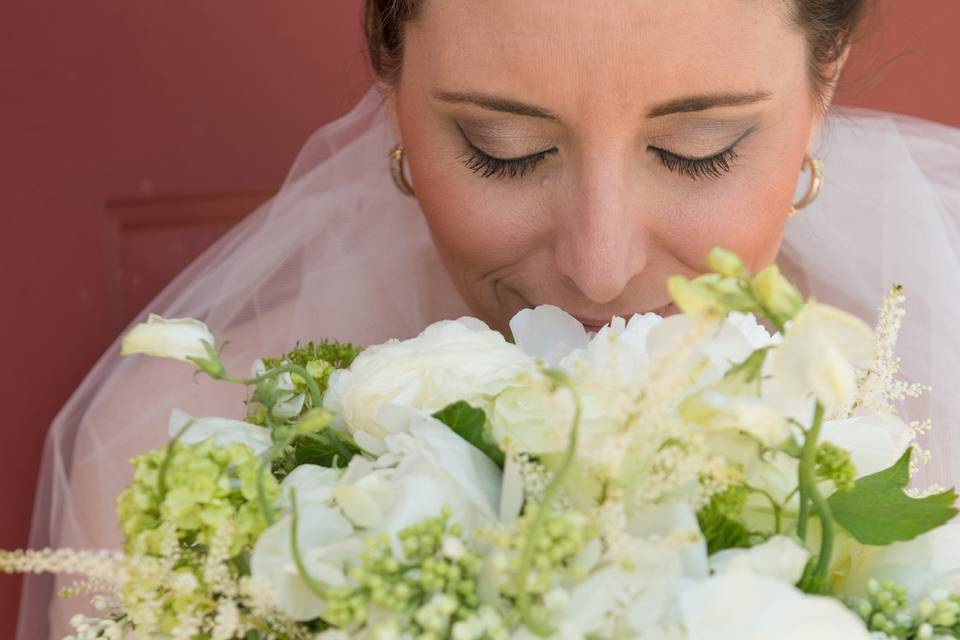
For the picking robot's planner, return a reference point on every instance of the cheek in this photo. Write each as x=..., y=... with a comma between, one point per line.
x=744, y=211
x=479, y=225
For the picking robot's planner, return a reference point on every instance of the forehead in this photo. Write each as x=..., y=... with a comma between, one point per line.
x=563, y=54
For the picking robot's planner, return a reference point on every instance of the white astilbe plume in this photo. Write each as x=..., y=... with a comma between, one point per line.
x=880, y=389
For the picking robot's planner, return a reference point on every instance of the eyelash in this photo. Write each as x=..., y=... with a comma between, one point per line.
x=485, y=165
x=711, y=167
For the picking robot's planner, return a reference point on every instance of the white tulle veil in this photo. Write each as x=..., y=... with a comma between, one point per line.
x=341, y=253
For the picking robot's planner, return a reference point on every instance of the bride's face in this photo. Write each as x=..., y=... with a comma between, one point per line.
x=578, y=153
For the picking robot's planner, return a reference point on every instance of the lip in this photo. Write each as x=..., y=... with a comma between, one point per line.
x=595, y=324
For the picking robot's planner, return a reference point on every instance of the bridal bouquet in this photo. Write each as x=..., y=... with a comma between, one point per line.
x=693, y=476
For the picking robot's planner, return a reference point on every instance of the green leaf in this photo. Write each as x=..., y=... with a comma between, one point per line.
x=877, y=511
x=470, y=424
x=324, y=449
x=722, y=532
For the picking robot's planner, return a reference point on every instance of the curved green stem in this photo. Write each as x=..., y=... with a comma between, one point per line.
x=313, y=389
x=540, y=627
x=310, y=581
x=265, y=506
x=810, y=495
x=168, y=458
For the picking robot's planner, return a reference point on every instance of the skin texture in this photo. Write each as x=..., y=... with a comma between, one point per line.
x=598, y=225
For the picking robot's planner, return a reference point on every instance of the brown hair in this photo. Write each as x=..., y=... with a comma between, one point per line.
x=828, y=25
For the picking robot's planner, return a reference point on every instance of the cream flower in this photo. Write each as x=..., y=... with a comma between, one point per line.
x=820, y=353
x=178, y=338
x=448, y=362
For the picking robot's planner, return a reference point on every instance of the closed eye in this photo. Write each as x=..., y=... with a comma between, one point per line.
x=486, y=165
x=712, y=166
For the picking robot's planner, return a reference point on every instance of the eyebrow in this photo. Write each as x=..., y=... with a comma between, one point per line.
x=495, y=103
x=703, y=102
x=687, y=104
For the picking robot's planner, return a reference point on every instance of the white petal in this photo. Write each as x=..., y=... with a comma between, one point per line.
x=779, y=558
x=874, y=442
x=222, y=430
x=548, y=332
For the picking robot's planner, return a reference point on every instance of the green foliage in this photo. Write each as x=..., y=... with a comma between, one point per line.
x=470, y=424
x=203, y=484
x=720, y=524
x=319, y=358
x=877, y=511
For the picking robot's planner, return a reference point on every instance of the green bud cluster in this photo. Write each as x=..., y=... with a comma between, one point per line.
x=834, y=463
x=559, y=542
x=431, y=584
x=888, y=609
x=320, y=359
x=203, y=485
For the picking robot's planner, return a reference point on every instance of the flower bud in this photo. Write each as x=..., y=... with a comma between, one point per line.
x=727, y=263
x=776, y=293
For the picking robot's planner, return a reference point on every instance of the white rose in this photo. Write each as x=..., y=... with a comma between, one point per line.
x=743, y=606
x=176, y=338
x=450, y=361
x=222, y=430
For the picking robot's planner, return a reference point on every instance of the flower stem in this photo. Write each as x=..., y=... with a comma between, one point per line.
x=532, y=622
x=310, y=581
x=810, y=495
x=316, y=397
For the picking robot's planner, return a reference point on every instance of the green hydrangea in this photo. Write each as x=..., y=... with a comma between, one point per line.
x=204, y=484
x=887, y=609
x=431, y=588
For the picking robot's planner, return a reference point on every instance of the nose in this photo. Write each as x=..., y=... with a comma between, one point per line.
x=601, y=242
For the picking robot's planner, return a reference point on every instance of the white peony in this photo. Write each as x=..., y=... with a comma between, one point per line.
x=176, y=338
x=222, y=430
x=450, y=361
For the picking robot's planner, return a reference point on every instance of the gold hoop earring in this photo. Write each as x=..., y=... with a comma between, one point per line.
x=396, y=170
x=816, y=179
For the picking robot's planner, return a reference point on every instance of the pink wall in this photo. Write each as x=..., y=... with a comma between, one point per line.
x=110, y=106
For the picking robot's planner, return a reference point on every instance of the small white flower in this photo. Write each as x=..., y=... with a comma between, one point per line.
x=222, y=430
x=177, y=338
